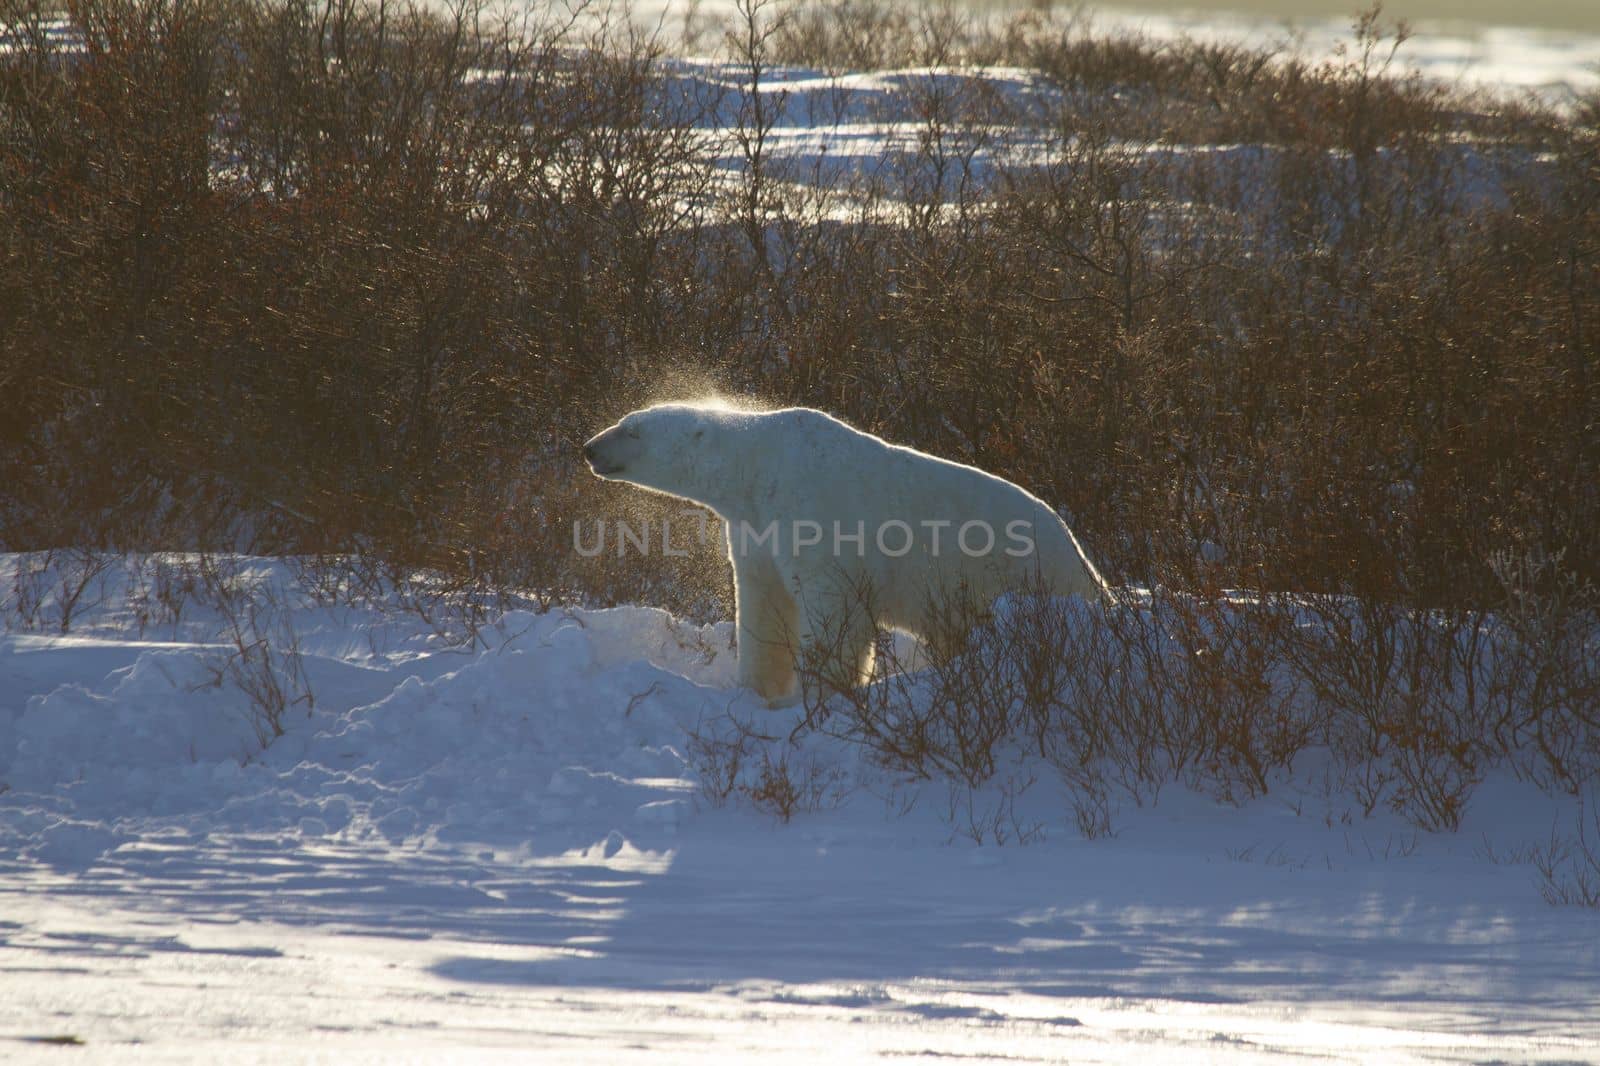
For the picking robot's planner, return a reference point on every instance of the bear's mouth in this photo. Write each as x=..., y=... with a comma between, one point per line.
x=603, y=468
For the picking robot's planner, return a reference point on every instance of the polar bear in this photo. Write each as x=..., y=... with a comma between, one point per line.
x=833, y=532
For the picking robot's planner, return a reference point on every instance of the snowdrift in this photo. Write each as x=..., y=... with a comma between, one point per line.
x=515, y=831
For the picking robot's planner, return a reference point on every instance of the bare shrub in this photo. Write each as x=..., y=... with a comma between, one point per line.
x=1407, y=694
x=78, y=571
x=1241, y=713
x=946, y=713
x=26, y=593
x=1568, y=867
x=49, y=588
x=845, y=35
x=1220, y=691
x=774, y=774
x=1123, y=695
x=261, y=656
x=990, y=816
x=1548, y=670
x=789, y=782
x=718, y=750
x=858, y=35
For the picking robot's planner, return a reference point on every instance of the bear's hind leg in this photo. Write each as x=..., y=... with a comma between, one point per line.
x=866, y=655
x=838, y=634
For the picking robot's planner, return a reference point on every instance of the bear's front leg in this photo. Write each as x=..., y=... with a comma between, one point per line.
x=768, y=623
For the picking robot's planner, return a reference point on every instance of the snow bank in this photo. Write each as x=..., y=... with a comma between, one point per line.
x=558, y=729
x=505, y=844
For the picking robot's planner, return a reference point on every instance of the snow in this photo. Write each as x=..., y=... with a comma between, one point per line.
x=1510, y=58
x=480, y=845
x=1507, y=58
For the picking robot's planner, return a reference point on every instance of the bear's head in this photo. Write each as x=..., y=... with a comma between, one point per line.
x=679, y=449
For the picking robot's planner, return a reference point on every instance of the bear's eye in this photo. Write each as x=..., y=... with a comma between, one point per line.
x=632, y=434
x=699, y=433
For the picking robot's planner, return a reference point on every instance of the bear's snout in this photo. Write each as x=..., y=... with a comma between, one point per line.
x=600, y=454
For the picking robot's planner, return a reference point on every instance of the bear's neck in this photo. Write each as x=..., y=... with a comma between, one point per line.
x=740, y=492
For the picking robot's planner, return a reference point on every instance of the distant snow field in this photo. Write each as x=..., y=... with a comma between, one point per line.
x=1507, y=57
x=500, y=849
x=1557, y=64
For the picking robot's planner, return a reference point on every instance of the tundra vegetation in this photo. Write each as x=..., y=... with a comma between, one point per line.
x=1307, y=351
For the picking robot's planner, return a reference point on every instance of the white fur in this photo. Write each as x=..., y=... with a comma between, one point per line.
x=800, y=465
